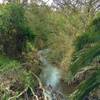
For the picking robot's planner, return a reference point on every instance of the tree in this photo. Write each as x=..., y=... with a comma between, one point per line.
x=86, y=9
x=78, y=4
x=39, y=25
x=13, y=30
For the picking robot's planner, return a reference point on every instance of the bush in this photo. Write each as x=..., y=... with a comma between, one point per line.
x=14, y=31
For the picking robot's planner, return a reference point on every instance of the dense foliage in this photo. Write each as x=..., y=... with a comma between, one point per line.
x=71, y=36
x=14, y=31
x=87, y=57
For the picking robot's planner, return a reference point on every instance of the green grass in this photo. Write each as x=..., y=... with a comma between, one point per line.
x=7, y=64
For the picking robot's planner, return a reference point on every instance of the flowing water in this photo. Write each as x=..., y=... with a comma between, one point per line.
x=50, y=73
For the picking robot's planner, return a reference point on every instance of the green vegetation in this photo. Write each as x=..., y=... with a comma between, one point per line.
x=13, y=30
x=87, y=56
x=71, y=36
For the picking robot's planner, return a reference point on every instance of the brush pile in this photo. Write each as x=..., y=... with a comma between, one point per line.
x=15, y=90
x=48, y=93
